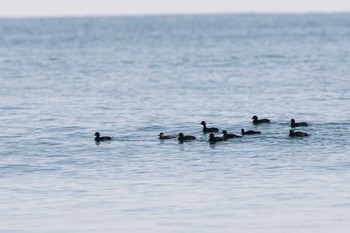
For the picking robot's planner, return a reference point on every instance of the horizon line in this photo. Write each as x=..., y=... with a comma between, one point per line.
x=87, y=15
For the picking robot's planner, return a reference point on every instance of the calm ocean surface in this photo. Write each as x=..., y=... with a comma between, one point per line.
x=63, y=79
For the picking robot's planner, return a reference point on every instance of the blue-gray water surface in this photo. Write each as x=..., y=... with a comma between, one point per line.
x=63, y=79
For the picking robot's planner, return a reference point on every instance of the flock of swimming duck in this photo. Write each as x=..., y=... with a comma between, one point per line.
x=212, y=138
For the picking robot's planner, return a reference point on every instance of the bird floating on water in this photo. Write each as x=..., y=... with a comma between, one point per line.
x=183, y=137
x=207, y=130
x=162, y=136
x=257, y=121
x=229, y=135
x=294, y=124
x=212, y=138
x=98, y=138
x=249, y=132
x=292, y=133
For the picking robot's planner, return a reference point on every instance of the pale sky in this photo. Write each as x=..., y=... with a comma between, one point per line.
x=24, y=8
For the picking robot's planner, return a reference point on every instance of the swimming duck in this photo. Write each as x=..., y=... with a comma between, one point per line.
x=104, y=138
x=259, y=121
x=297, y=134
x=249, y=132
x=181, y=137
x=212, y=138
x=162, y=136
x=293, y=124
x=206, y=130
x=229, y=135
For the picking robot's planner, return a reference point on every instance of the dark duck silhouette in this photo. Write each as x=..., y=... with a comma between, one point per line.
x=207, y=130
x=294, y=124
x=162, y=136
x=212, y=138
x=98, y=138
x=249, y=132
x=257, y=121
x=183, y=137
x=292, y=133
x=229, y=135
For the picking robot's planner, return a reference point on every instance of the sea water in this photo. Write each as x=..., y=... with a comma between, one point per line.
x=63, y=79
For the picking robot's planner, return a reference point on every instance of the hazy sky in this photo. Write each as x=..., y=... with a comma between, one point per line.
x=126, y=7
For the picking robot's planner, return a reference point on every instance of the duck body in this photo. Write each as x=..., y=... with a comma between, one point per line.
x=212, y=138
x=294, y=124
x=162, y=136
x=297, y=134
x=98, y=138
x=229, y=135
x=208, y=130
x=249, y=132
x=183, y=137
x=257, y=121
